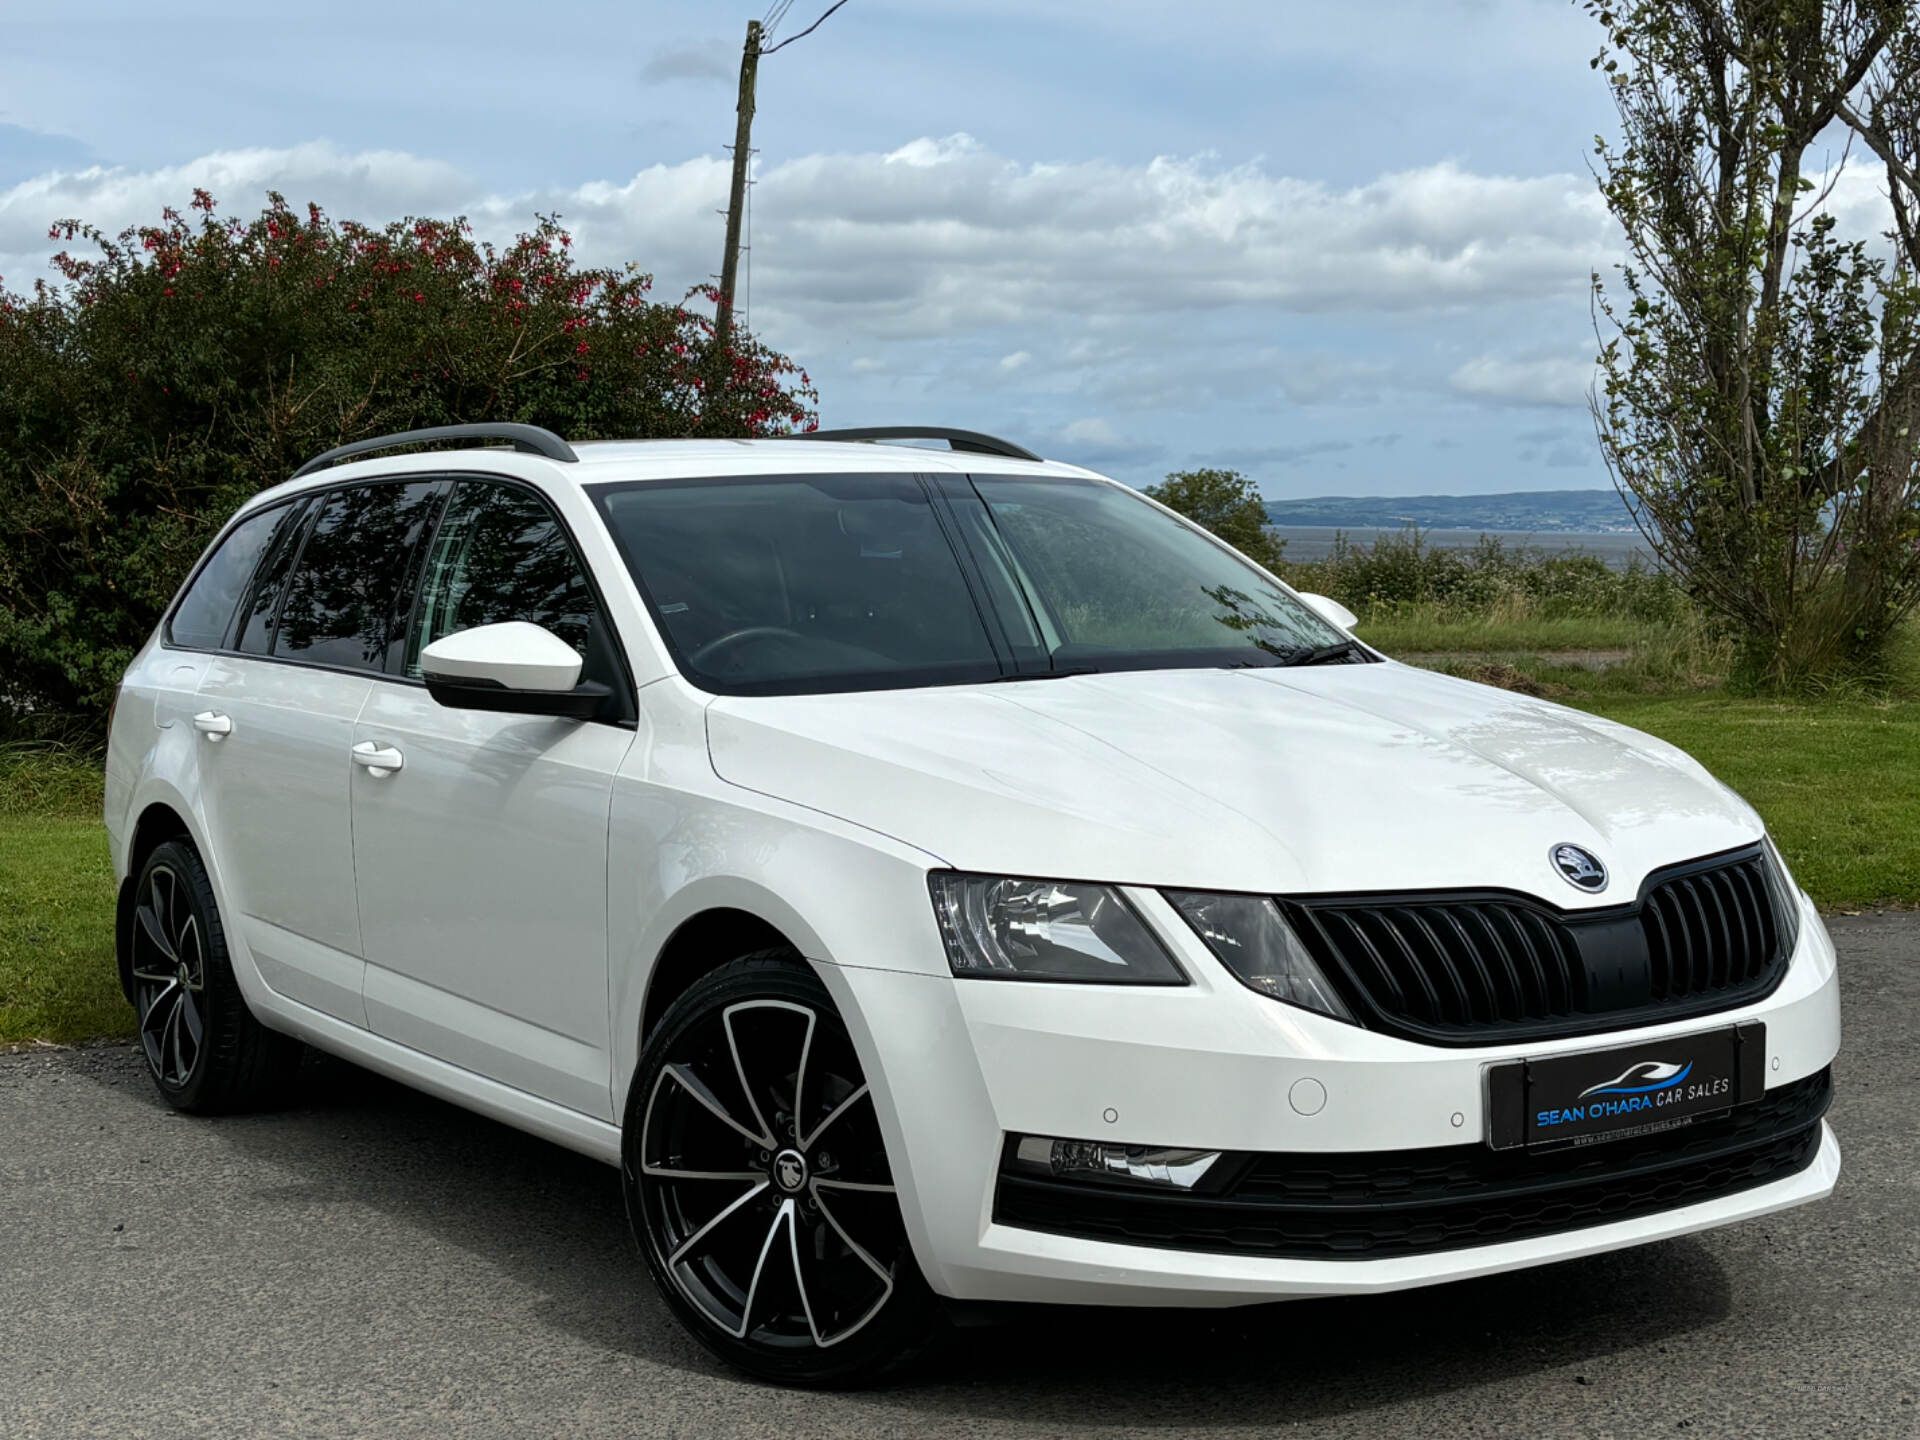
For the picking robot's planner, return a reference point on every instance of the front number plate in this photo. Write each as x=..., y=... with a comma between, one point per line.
x=1600, y=1095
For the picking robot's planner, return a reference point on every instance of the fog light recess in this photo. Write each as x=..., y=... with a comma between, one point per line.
x=1162, y=1167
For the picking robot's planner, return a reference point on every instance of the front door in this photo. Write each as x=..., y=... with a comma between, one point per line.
x=480, y=853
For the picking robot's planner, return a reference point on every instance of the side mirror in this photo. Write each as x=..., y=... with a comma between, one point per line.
x=1331, y=610
x=515, y=666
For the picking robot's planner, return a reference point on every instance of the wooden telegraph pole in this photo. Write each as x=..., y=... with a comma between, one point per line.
x=736, y=198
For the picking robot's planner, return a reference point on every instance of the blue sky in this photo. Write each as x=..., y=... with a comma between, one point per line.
x=1343, y=248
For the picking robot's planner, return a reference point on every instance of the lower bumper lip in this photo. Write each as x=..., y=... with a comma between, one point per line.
x=1014, y=1263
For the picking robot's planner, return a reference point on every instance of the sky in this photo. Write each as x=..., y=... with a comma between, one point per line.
x=1345, y=249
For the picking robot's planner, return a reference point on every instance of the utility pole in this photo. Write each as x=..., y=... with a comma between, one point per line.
x=736, y=199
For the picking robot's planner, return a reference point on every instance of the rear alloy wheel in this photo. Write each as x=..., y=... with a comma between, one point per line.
x=759, y=1187
x=203, y=1047
x=169, y=977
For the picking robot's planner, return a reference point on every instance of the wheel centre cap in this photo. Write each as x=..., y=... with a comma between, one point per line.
x=790, y=1171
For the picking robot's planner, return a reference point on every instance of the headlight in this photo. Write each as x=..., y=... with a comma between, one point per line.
x=1250, y=937
x=997, y=928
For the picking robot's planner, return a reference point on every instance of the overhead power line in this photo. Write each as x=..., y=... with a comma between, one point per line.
x=808, y=31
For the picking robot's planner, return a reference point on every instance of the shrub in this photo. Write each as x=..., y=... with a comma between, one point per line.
x=1404, y=570
x=188, y=364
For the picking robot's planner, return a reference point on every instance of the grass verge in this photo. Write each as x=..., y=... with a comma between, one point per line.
x=1838, y=782
x=57, y=977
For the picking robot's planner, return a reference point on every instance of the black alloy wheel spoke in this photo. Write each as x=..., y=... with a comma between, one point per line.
x=693, y=1085
x=187, y=947
x=777, y=1101
x=814, y=1135
x=190, y=1014
x=150, y=927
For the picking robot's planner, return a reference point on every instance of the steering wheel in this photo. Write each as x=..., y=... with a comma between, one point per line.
x=713, y=647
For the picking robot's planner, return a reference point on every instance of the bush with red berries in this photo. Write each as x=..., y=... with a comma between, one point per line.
x=181, y=367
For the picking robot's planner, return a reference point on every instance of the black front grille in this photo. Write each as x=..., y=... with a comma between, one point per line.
x=1464, y=969
x=1371, y=1205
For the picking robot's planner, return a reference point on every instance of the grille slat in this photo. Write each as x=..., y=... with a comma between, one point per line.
x=1755, y=915
x=1699, y=942
x=1532, y=1000
x=1659, y=946
x=1461, y=969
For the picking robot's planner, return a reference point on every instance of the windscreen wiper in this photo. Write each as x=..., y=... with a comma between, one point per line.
x=1045, y=674
x=1326, y=654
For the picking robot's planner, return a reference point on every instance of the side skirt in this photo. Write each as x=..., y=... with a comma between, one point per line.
x=582, y=1133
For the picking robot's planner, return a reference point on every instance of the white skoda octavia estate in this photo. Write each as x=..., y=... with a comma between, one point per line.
x=940, y=876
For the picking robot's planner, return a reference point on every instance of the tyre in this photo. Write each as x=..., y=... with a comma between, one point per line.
x=758, y=1187
x=204, y=1049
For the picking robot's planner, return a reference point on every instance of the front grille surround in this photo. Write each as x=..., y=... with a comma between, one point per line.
x=1354, y=1205
x=1470, y=968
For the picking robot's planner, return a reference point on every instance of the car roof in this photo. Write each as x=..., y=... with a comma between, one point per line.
x=604, y=462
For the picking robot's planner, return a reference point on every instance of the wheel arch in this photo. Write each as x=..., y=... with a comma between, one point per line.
x=701, y=944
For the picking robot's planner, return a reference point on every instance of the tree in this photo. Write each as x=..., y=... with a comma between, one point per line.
x=1760, y=371
x=1226, y=503
x=186, y=365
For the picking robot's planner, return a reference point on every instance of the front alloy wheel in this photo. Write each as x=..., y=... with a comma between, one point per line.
x=759, y=1185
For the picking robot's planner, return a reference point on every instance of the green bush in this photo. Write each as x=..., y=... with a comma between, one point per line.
x=1227, y=504
x=1492, y=578
x=189, y=364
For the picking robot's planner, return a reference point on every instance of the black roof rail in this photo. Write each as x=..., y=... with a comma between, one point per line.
x=971, y=441
x=529, y=439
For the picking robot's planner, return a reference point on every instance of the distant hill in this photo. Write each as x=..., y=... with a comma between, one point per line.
x=1536, y=512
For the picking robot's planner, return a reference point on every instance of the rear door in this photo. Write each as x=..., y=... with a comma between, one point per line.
x=481, y=857
x=277, y=713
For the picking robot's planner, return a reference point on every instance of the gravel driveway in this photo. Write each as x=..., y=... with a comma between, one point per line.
x=377, y=1263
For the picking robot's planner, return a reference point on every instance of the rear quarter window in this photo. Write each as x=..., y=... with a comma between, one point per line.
x=203, y=620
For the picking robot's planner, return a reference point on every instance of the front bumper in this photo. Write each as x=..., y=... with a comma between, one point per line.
x=959, y=1065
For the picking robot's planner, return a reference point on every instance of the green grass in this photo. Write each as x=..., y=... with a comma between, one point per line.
x=1838, y=782
x=57, y=976
x=1431, y=630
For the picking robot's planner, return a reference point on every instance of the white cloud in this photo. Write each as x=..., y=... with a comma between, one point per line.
x=1553, y=380
x=372, y=185
x=944, y=236
x=1091, y=431
x=1016, y=360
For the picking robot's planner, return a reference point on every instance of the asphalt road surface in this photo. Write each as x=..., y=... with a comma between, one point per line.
x=377, y=1263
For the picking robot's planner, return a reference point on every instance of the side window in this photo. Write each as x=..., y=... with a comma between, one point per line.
x=205, y=613
x=500, y=554
x=352, y=571
x=261, y=604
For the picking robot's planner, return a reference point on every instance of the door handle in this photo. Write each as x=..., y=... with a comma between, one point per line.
x=380, y=760
x=213, y=725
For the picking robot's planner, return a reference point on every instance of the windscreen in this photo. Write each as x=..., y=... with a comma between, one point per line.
x=792, y=584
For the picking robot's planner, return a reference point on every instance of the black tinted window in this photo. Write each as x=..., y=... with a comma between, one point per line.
x=340, y=601
x=205, y=616
x=261, y=604
x=791, y=581
x=796, y=583
x=500, y=554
